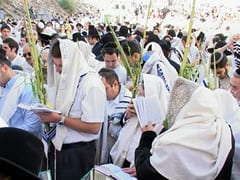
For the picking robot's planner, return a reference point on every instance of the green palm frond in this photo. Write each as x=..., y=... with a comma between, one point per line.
x=38, y=80
x=134, y=71
x=187, y=46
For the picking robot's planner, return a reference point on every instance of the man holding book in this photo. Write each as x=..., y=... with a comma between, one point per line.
x=77, y=91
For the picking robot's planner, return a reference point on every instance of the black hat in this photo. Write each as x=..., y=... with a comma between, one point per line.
x=107, y=37
x=21, y=153
x=124, y=31
x=220, y=44
x=77, y=36
x=220, y=36
x=45, y=38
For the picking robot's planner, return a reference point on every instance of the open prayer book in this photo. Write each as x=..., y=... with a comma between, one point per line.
x=148, y=109
x=38, y=107
x=112, y=171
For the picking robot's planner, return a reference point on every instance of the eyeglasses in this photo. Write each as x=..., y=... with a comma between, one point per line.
x=27, y=54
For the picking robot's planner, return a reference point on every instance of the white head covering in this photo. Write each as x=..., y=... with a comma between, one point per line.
x=198, y=142
x=157, y=56
x=230, y=111
x=129, y=136
x=89, y=56
x=62, y=87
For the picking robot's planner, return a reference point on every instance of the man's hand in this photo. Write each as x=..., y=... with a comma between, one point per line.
x=131, y=171
x=130, y=112
x=49, y=117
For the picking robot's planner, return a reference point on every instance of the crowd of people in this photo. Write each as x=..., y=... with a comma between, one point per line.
x=87, y=67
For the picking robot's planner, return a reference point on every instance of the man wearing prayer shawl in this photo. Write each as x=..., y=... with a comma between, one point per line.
x=77, y=91
x=122, y=152
x=198, y=143
x=230, y=111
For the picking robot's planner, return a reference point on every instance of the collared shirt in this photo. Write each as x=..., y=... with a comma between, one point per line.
x=89, y=106
x=122, y=73
x=23, y=119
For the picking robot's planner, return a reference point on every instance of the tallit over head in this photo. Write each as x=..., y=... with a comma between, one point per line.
x=198, y=141
x=157, y=57
x=62, y=87
x=130, y=134
x=230, y=111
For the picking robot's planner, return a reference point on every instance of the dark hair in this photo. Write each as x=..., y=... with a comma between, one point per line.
x=2, y=51
x=5, y=26
x=166, y=47
x=110, y=48
x=79, y=24
x=166, y=37
x=130, y=47
x=55, y=49
x=110, y=75
x=4, y=60
x=152, y=38
x=180, y=34
x=171, y=32
x=220, y=60
x=11, y=43
x=201, y=37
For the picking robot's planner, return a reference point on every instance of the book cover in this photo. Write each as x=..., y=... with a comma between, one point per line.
x=148, y=109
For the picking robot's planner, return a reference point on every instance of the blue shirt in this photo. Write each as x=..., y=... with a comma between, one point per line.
x=22, y=119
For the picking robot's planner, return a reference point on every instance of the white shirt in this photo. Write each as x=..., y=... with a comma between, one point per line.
x=122, y=74
x=89, y=105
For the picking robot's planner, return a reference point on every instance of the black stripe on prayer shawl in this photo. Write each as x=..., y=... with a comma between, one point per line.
x=121, y=108
x=161, y=75
x=123, y=101
x=47, y=136
x=127, y=97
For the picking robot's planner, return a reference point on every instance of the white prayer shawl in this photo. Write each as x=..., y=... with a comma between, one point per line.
x=89, y=56
x=130, y=135
x=197, y=144
x=193, y=54
x=157, y=57
x=12, y=97
x=230, y=111
x=62, y=87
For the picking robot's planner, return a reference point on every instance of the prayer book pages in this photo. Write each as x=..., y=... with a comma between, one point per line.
x=113, y=172
x=37, y=108
x=148, y=109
